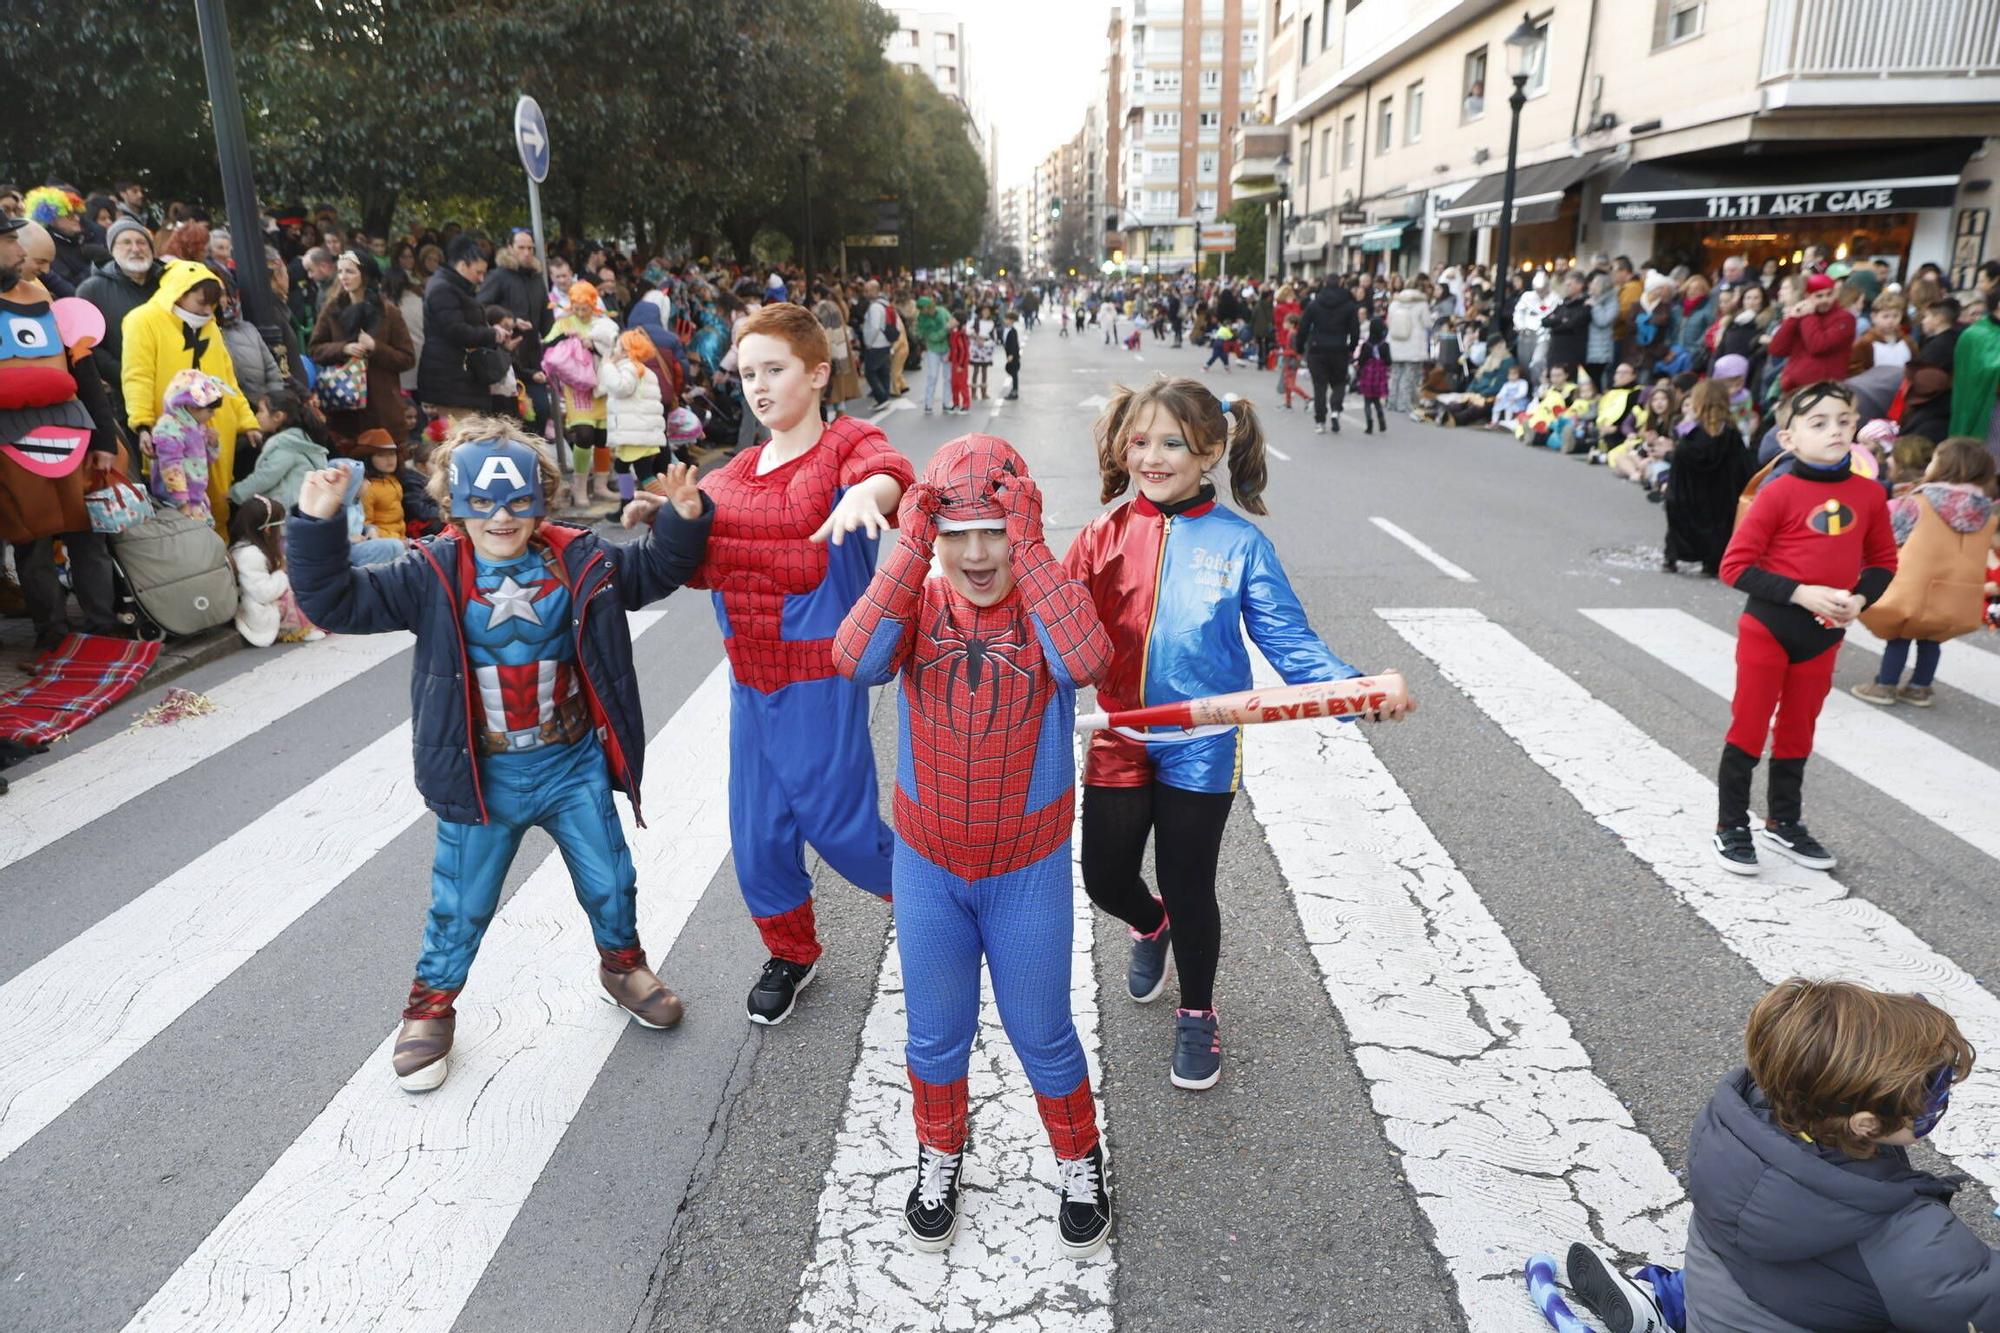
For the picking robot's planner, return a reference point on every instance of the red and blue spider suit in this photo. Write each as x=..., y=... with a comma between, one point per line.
x=985, y=789
x=801, y=767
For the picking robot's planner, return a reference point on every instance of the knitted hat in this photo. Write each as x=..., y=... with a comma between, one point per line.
x=123, y=225
x=683, y=427
x=1819, y=282
x=1730, y=367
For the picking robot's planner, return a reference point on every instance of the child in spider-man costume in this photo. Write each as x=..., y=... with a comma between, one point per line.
x=791, y=550
x=991, y=656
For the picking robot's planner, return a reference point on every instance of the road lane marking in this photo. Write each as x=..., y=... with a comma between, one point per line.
x=387, y=1210
x=1006, y=1258
x=1940, y=782
x=178, y=940
x=1510, y=1141
x=1443, y=565
x=1786, y=921
x=52, y=802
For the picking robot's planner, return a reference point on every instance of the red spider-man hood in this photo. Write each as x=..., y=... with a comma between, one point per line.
x=962, y=471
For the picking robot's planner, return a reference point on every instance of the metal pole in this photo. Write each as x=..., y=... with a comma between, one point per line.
x=239, y=188
x=1503, y=266
x=542, y=258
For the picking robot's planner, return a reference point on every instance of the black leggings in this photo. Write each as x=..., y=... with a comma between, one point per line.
x=1187, y=843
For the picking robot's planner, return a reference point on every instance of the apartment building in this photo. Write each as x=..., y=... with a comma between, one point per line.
x=1182, y=74
x=932, y=43
x=1677, y=129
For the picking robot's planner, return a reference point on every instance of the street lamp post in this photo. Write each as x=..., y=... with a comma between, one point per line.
x=1522, y=48
x=1281, y=171
x=239, y=188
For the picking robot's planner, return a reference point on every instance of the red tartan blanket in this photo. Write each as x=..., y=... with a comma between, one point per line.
x=85, y=675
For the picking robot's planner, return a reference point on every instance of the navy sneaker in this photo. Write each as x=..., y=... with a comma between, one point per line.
x=1146, y=974
x=931, y=1213
x=1197, y=1050
x=1623, y=1305
x=1083, y=1218
x=1792, y=841
x=1735, y=851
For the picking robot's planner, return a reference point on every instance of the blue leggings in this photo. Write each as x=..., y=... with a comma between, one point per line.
x=1897, y=651
x=565, y=790
x=1021, y=921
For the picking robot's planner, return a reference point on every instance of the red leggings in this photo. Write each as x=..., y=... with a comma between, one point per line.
x=1768, y=681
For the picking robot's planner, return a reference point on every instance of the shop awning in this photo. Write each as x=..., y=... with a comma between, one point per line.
x=1860, y=178
x=1538, y=193
x=1388, y=237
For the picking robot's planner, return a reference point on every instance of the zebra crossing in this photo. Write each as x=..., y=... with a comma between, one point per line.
x=387, y=1211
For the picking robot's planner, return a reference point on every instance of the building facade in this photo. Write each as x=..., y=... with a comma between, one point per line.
x=1677, y=130
x=932, y=43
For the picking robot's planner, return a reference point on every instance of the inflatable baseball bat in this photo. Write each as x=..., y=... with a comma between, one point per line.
x=1363, y=696
x=1547, y=1296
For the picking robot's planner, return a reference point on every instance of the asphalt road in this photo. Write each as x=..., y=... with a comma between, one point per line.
x=1471, y=999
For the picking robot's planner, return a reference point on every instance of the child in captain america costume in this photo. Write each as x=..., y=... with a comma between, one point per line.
x=525, y=707
x=991, y=656
x=792, y=549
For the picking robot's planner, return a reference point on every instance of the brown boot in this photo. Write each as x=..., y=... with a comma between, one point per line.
x=423, y=1048
x=640, y=993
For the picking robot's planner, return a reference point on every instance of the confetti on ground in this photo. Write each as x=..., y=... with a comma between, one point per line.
x=177, y=706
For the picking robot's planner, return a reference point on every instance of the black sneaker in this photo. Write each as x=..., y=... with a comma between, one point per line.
x=1146, y=974
x=1792, y=841
x=931, y=1214
x=771, y=999
x=1621, y=1303
x=1084, y=1217
x=1734, y=851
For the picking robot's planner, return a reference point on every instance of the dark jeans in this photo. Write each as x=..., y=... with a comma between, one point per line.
x=1897, y=651
x=89, y=575
x=1329, y=377
x=875, y=368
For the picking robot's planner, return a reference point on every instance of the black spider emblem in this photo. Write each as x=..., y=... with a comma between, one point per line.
x=966, y=658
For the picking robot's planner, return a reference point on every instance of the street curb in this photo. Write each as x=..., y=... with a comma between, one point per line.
x=180, y=656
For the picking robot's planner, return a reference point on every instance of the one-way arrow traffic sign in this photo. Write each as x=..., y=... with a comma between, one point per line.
x=531, y=136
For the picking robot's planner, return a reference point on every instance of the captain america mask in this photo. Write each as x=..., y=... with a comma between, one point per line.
x=492, y=477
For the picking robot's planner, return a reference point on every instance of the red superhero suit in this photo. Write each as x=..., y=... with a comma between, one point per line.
x=801, y=768
x=985, y=789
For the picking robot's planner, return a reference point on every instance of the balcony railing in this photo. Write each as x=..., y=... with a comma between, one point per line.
x=1809, y=39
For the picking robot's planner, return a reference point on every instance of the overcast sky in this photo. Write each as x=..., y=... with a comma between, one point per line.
x=1035, y=66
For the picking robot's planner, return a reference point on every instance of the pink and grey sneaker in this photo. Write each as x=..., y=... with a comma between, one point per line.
x=1197, y=1050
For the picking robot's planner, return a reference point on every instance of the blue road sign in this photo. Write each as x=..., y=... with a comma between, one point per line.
x=531, y=136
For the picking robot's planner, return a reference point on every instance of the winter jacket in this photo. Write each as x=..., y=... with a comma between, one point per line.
x=281, y=468
x=582, y=405
x=522, y=290
x=1975, y=377
x=1568, y=329
x=411, y=308
x=1602, y=343
x=77, y=257
x=257, y=372
x=117, y=295
x=650, y=317
x=1815, y=346
x=1331, y=324
x=260, y=595
x=157, y=344
x=425, y=592
x=454, y=324
x=394, y=353
x=1409, y=328
x=382, y=504
x=1789, y=1232
x=635, y=412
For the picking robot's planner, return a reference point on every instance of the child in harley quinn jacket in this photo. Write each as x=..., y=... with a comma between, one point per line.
x=1815, y=549
x=1177, y=580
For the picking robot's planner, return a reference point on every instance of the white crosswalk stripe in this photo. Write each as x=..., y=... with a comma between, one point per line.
x=325, y=1236
x=53, y=802
x=1788, y=921
x=1938, y=781
x=178, y=940
x=1006, y=1258
x=1512, y=1144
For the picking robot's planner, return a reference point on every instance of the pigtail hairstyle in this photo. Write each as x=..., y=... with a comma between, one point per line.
x=1246, y=456
x=1109, y=432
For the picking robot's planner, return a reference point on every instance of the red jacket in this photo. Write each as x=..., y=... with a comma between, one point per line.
x=1816, y=347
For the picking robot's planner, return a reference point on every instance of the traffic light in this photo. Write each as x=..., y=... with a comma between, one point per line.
x=1055, y=207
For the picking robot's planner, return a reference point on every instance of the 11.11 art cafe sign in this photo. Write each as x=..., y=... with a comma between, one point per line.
x=1802, y=201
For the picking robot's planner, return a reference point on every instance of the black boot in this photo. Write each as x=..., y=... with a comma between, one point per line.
x=1732, y=787
x=1785, y=834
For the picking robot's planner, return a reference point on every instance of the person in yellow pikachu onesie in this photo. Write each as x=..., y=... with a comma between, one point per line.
x=172, y=332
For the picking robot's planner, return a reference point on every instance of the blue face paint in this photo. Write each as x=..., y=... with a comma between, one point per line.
x=488, y=476
x=29, y=333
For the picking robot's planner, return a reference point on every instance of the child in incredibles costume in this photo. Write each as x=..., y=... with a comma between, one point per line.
x=525, y=708
x=1814, y=551
x=991, y=656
